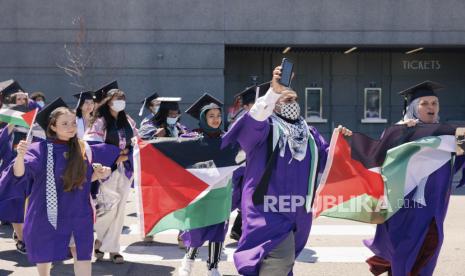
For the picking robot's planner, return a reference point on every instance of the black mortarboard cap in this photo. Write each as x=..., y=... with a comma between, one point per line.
x=102, y=92
x=205, y=102
x=10, y=87
x=169, y=103
x=43, y=116
x=84, y=95
x=249, y=94
x=423, y=89
x=146, y=102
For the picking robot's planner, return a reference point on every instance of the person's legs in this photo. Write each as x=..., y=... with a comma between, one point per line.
x=111, y=241
x=18, y=228
x=280, y=260
x=44, y=269
x=236, y=230
x=188, y=261
x=81, y=268
x=214, y=254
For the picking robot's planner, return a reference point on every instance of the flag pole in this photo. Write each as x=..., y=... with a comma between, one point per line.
x=29, y=133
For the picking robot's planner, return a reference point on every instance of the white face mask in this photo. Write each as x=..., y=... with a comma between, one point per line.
x=118, y=105
x=290, y=111
x=40, y=103
x=171, y=121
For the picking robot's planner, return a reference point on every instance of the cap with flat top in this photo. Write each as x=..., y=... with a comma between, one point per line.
x=205, y=102
x=146, y=102
x=423, y=89
x=10, y=87
x=249, y=94
x=43, y=117
x=169, y=103
x=102, y=92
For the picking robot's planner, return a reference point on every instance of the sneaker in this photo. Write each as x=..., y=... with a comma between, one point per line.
x=235, y=236
x=186, y=267
x=213, y=272
x=21, y=247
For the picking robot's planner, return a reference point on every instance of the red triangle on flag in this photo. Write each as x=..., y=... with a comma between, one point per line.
x=165, y=186
x=29, y=116
x=346, y=178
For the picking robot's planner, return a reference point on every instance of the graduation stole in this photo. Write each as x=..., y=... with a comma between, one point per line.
x=51, y=189
x=262, y=187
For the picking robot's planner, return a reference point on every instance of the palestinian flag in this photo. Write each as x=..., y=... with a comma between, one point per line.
x=183, y=183
x=18, y=118
x=365, y=179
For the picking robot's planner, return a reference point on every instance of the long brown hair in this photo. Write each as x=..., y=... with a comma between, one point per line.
x=76, y=168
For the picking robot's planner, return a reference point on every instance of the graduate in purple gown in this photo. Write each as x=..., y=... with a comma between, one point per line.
x=13, y=210
x=410, y=241
x=284, y=156
x=208, y=110
x=247, y=98
x=56, y=174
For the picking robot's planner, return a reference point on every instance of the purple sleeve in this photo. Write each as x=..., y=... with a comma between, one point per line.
x=5, y=146
x=323, y=148
x=248, y=132
x=16, y=187
x=105, y=154
x=237, y=179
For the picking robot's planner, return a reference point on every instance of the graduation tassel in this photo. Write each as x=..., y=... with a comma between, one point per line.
x=405, y=107
x=141, y=111
x=79, y=101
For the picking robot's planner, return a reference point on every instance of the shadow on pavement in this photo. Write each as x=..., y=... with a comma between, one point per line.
x=108, y=268
x=307, y=256
x=6, y=231
x=16, y=257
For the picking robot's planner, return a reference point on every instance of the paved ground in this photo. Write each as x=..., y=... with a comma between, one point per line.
x=334, y=248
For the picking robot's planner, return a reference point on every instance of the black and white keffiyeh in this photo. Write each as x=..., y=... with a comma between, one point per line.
x=295, y=134
x=51, y=191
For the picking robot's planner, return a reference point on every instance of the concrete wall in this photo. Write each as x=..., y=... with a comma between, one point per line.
x=176, y=47
x=343, y=79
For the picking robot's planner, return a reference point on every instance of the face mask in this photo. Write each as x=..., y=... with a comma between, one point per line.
x=118, y=105
x=40, y=103
x=171, y=121
x=290, y=111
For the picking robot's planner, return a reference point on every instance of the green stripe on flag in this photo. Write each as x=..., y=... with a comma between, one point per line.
x=394, y=169
x=7, y=118
x=213, y=208
x=364, y=208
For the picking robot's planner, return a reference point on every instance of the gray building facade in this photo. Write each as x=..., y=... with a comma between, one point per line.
x=187, y=47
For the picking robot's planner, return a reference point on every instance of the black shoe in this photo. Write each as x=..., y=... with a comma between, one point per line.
x=21, y=247
x=235, y=236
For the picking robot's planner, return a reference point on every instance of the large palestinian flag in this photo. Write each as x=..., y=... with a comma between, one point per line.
x=183, y=184
x=366, y=180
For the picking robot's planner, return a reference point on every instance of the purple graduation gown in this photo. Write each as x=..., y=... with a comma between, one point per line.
x=263, y=231
x=10, y=210
x=399, y=240
x=75, y=214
